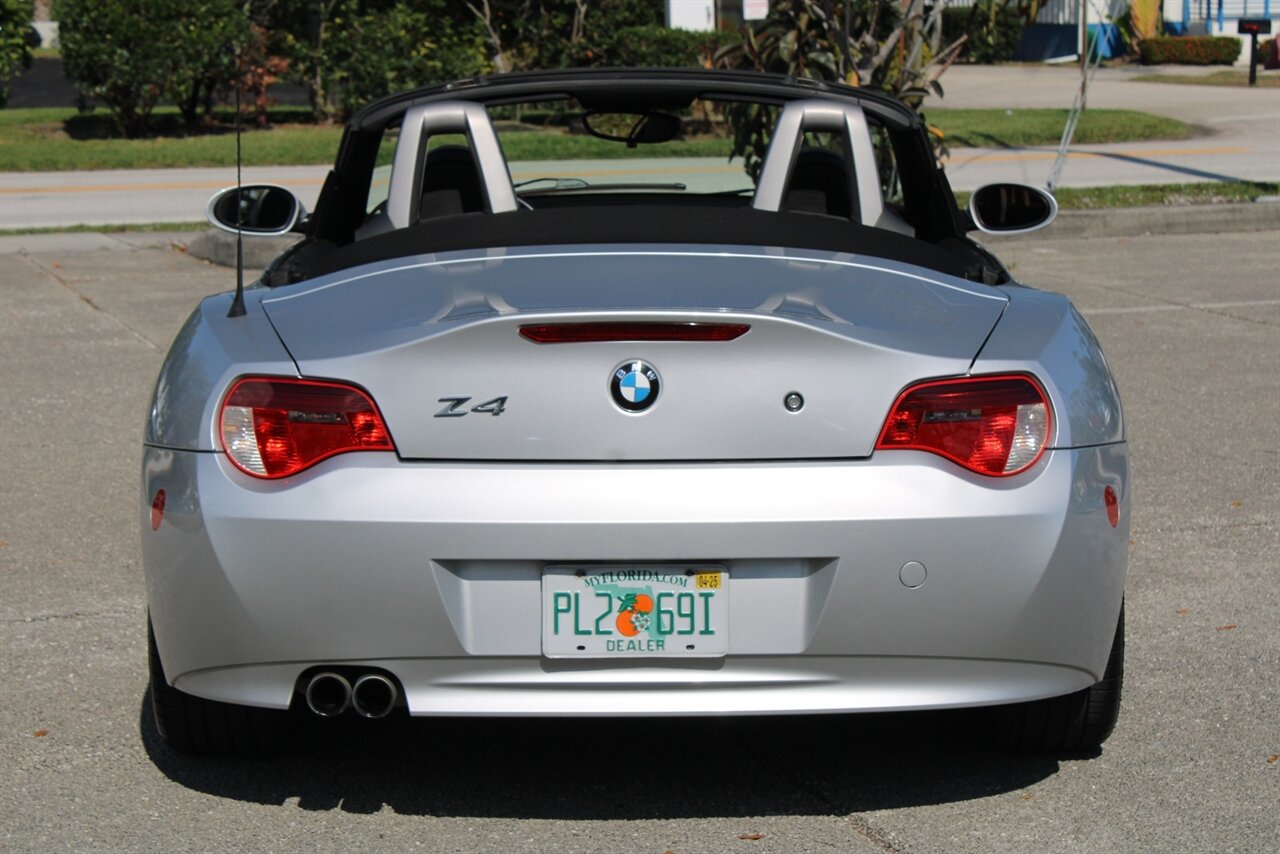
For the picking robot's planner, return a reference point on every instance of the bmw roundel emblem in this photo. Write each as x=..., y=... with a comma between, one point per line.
x=635, y=385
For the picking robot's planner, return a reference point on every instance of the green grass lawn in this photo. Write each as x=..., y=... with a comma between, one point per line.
x=1013, y=128
x=1217, y=78
x=1081, y=198
x=59, y=138
x=1146, y=195
x=56, y=139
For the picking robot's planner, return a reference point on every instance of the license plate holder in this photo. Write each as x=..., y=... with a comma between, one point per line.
x=635, y=611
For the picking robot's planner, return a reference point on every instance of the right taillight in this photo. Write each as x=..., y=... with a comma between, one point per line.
x=996, y=425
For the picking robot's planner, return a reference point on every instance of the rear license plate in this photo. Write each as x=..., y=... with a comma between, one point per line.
x=656, y=611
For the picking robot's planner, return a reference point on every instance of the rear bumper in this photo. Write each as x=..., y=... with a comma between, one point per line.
x=506, y=687
x=432, y=573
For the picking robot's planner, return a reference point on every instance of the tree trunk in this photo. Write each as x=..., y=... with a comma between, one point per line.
x=485, y=15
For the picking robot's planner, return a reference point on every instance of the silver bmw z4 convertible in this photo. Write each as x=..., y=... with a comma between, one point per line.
x=642, y=431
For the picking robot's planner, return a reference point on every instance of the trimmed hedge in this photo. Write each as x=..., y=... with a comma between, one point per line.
x=1190, y=50
x=1269, y=53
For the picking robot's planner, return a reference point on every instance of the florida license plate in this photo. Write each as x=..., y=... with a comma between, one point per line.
x=663, y=611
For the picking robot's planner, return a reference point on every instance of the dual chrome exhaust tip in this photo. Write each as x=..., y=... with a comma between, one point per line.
x=329, y=694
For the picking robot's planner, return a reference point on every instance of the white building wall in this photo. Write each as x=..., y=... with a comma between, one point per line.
x=697, y=15
x=1068, y=11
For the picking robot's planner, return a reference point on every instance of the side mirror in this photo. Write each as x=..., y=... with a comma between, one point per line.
x=1011, y=208
x=264, y=210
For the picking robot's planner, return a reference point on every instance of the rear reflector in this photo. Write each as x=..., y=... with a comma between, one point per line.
x=157, y=510
x=1112, y=503
x=578, y=333
x=996, y=426
x=277, y=426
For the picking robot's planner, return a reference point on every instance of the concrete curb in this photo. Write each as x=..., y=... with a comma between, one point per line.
x=1167, y=219
x=219, y=247
x=75, y=242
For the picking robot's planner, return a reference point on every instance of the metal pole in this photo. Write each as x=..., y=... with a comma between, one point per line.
x=1073, y=117
x=1084, y=38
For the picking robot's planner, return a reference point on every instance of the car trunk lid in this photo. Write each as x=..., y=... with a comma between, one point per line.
x=437, y=342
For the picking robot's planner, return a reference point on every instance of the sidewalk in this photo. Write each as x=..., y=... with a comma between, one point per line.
x=1012, y=86
x=134, y=196
x=1239, y=127
x=1217, y=158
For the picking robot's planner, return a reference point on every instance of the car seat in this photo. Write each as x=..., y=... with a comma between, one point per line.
x=450, y=183
x=820, y=183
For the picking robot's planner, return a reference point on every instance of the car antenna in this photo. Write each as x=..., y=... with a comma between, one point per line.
x=237, y=304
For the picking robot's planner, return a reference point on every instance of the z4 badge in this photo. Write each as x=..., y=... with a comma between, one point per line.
x=456, y=407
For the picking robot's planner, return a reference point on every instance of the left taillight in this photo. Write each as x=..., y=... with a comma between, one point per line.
x=994, y=425
x=277, y=426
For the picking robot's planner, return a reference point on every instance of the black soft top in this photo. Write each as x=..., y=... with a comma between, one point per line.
x=929, y=207
x=605, y=224
x=635, y=88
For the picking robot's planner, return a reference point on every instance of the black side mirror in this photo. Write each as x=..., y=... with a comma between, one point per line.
x=1011, y=208
x=256, y=209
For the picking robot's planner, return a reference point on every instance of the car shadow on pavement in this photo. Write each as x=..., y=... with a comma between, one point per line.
x=595, y=769
x=1182, y=172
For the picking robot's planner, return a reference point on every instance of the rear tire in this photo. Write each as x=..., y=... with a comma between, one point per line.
x=1074, y=723
x=203, y=727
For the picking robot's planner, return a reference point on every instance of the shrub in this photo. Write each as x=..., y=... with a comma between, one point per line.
x=116, y=55
x=1269, y=53
x=205, y=35
x=410, y=44
x=1127, y=27
x=1190, y=50
x=993, y=29
x=882, y=44
x=657, y=46
x=256, y=70
x=130, y=53
x=15, y=51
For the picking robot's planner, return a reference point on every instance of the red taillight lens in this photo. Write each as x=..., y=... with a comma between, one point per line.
x=276, y=426
x=995, y=426
x=582, y=333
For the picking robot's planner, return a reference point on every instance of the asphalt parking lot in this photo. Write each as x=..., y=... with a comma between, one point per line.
x=1191, y=325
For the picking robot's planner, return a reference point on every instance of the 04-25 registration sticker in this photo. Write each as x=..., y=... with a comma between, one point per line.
x=635, y=611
